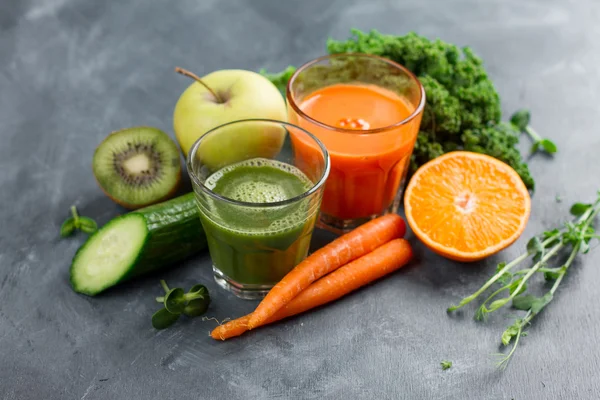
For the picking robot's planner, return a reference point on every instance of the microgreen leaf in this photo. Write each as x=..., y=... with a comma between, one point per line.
x=578, y=209
x=198, y=289
x=548, y=146
x=554, y=273
x=500, y=266
x=446, y=365
x=505, y=278
x=541, y=302
x=67, y=228
x=533, y=303
x=87, y=225
x=535, y=246
x=199, y=304
x=534, y=147
x=175, y=301
x=163, y=319
x=196, y=308
x=523, y=302
x=511, y=332
x=554, y=233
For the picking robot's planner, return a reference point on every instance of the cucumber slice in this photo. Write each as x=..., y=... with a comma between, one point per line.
x=108, y=256
x=144, y=240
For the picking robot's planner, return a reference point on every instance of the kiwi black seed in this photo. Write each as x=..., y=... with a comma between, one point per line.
x=137, y=166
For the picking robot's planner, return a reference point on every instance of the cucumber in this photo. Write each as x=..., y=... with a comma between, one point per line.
x=136, y=243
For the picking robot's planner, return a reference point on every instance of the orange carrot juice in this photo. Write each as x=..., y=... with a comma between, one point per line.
x=369, y=151
x=366, y=110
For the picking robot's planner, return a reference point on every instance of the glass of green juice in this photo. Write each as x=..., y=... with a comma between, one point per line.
x=258, y=187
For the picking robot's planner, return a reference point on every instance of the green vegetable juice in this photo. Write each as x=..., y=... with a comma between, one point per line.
x=257, y=244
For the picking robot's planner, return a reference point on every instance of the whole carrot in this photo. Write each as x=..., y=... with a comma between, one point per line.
x=370, y=267
x=341, y=251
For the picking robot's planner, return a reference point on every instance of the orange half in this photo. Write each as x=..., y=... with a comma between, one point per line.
x=466, y=206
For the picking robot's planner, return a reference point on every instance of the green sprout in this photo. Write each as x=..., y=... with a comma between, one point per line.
x=77, y=222
x=520, y=120
x=573, y=236
x=176, y=302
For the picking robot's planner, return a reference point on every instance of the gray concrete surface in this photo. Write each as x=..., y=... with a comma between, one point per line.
x=72, y=70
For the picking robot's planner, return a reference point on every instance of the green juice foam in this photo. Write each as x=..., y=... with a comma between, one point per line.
x=260, y=181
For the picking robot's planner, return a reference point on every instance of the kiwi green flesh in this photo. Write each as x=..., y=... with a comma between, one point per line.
x=137, y=166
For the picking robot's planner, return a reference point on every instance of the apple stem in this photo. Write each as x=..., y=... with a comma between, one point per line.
x=195, y=77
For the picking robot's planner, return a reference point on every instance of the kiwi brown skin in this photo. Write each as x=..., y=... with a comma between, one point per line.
x=124, y=204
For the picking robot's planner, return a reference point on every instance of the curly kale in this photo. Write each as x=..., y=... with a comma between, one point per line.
x=499, y=141
x=463, y=106
x=441, y=117
x=425, y=150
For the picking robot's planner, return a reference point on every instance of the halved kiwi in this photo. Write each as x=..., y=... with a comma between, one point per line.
x=137, y=166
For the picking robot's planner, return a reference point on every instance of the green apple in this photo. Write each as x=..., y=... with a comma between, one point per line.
x=226, y=96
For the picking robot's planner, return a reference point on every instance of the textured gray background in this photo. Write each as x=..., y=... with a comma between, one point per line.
x=73, y=70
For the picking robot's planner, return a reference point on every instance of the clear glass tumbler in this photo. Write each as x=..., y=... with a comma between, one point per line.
x=367, y=111
x=259, y=194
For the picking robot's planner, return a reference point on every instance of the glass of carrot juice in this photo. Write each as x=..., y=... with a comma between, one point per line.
x=367, y=111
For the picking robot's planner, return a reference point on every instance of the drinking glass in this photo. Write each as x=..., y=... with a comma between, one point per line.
x=243, y=173
x=367, y=111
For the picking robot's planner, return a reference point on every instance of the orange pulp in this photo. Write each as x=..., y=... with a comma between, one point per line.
x=466, y=206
